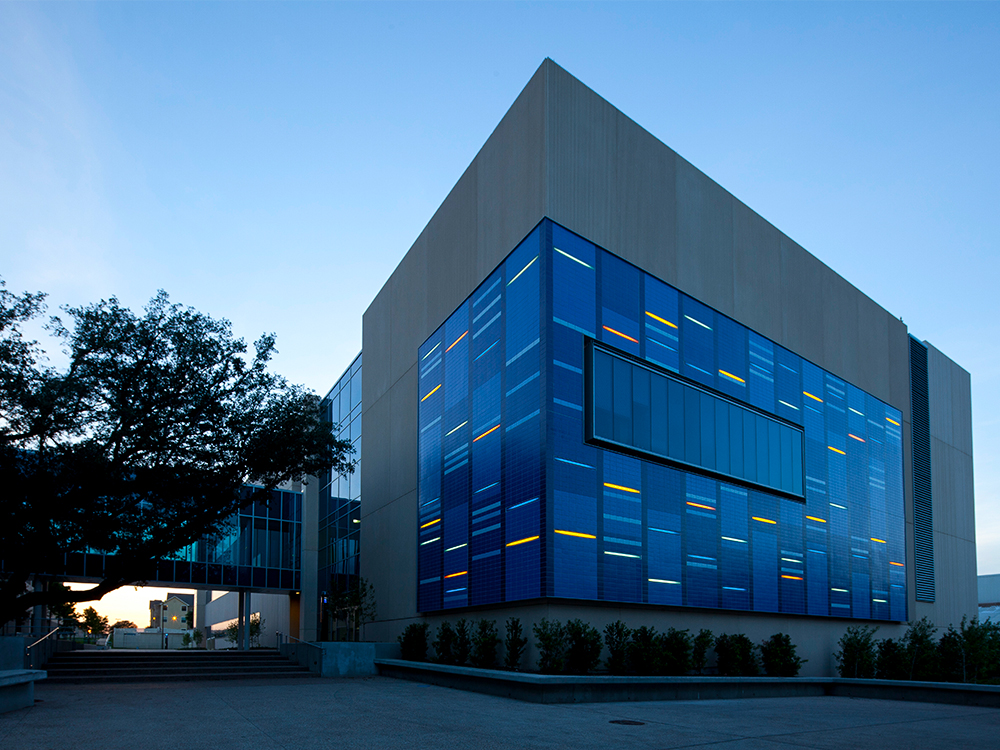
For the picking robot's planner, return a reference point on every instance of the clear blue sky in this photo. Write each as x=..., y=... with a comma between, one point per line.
x=271, y=163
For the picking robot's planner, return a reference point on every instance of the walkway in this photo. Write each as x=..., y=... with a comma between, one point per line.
x=382, y=713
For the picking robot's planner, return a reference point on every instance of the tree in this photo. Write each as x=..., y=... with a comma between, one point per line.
x=142, y=443
x=354, y=603
x=94, y=623
x=125, y=624
x=64, y=612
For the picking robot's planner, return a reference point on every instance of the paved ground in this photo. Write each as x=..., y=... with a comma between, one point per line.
x=383, y=713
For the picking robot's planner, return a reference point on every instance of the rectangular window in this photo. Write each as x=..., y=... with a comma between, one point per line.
x=655, y=414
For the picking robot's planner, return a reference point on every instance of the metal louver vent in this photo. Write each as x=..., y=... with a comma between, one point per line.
x=923, y=520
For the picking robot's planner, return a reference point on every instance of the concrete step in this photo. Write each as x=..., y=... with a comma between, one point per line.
x=114, y=679
x=171, y=671
x=159, y=666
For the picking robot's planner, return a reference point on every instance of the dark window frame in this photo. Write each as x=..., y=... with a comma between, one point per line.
x=590, y=406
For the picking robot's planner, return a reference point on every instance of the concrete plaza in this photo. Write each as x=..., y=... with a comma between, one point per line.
x=384, y=713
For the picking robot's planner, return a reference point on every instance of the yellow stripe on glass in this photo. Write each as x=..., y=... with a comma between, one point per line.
x=574, y=533
x=619, y=333
x=486, y=433
x=619, y=487
x=662, y=320
x=522, y=541
x=456, y=341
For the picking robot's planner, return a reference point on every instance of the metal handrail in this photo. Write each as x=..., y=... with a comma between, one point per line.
x=292, y=637
x=41, y=639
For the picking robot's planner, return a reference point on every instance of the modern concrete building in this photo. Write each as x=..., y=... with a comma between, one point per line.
x=821, y=473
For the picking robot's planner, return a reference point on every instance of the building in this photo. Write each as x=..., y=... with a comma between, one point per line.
x=989, y=598
x=173, y=612
x=600, y=386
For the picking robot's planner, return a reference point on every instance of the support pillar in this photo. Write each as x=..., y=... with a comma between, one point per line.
x=245, y=635
x=240, y=624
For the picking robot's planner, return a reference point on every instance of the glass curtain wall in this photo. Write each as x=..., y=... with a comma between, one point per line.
x=697, y=463
x=340, y=494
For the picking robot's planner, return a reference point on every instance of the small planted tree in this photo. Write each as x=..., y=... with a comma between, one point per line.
x=645, y=652
x=463, y=642
x=676, y=652
x=890, y=660
x=921, y=650
x=737, y=656
x=699, y=649
x=778, y=656
x=971, y=653
x=514, y=644
x=444, y=644
x=484, y=645
x=616, y=637
x=583, y=647
x=197, y=637
x=256, y=630
x=550, y=639
x=857, y=655
x=413, y=642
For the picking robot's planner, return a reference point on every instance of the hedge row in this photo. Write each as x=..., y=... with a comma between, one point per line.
x=575, y=647
x=970, y=653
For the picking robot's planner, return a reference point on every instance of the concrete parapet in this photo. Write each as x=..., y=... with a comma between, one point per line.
x=539, y=688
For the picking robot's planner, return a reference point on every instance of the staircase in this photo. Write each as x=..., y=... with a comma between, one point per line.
x=97, y=667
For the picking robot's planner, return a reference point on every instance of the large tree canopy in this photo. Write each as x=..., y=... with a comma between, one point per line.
x=141, y=443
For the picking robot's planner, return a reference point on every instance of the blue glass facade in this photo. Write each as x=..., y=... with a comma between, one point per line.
x=690, y=462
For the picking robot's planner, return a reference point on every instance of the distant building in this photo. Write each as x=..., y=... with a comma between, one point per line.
x=174, y=610
x=989, y=598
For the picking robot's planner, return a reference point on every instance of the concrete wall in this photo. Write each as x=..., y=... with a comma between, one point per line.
x=273, y=608
x=562, y=151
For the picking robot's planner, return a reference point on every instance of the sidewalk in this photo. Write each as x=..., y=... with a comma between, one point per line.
x=383, y=713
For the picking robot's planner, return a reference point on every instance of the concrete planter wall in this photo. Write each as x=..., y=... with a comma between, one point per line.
x=340, y=659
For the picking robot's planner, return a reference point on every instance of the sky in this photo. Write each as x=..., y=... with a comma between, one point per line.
x=271, y=163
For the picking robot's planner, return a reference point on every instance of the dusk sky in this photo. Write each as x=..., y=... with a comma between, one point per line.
x=271, y=163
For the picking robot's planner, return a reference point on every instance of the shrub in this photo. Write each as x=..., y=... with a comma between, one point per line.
x=583, y=647
x=645, y=651
x=550, y=640
x=444, y=644
x=484, y=645
x=463, y=642
x=616, y=637
x=675, y=648
x=778, y=656
x=890, y=660
x=413, y=642
x=737, y=656
x=857, y=654
x=699, y=649
x=514, y=644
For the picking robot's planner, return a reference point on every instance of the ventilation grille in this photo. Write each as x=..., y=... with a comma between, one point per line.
x=923, y=519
